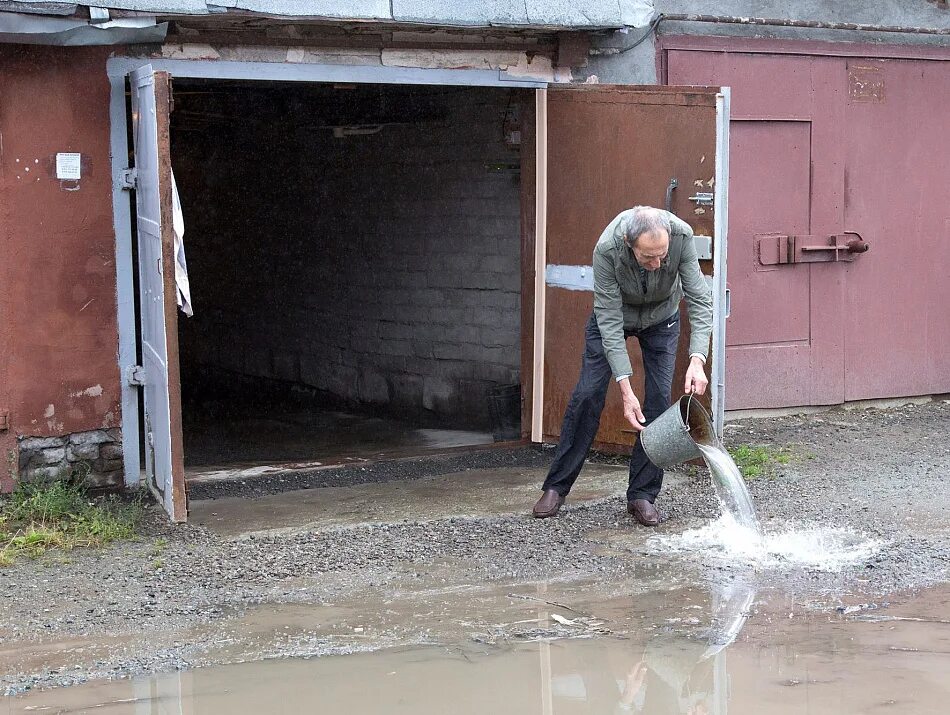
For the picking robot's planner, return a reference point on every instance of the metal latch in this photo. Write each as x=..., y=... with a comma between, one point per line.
x=779, y=248
x=703, y=198
x=135, y=375
x=127, y=178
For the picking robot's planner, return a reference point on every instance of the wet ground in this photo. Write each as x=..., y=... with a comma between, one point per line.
x=234, y=440
x=422, y=595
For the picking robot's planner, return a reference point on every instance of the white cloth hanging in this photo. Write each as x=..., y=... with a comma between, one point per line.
x=181, y=267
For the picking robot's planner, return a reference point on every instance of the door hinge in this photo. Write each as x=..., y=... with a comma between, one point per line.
x=128, y=178
x=135, y=375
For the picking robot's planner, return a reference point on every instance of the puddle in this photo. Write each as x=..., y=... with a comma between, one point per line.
x=778, y=546
x=725, y=651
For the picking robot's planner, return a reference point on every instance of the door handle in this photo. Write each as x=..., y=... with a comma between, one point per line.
x=840, y=244
x=669, y=194
x=856, y=244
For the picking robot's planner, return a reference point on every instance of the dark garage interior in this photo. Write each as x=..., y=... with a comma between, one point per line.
x=354, y=261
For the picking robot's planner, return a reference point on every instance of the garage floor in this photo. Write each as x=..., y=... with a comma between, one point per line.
x=224, y=437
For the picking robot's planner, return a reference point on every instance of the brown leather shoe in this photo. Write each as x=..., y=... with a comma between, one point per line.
x=644, y=512
x=548, y=505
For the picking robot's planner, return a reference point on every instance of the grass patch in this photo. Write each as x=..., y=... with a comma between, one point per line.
x=754, y=461
x=38, y=518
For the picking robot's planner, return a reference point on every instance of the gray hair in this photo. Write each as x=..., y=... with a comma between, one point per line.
x=646, y=219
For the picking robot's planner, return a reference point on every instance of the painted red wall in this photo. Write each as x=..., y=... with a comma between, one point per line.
x=58, y=331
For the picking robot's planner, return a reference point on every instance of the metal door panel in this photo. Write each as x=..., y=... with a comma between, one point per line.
x=898, y=293
x=771, y=161
x=610, y=148
x=769, y=324
x=782, y=84
x=785, y=335
x=161, y=393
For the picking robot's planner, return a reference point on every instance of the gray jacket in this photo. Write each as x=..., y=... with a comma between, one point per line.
x=620, y=303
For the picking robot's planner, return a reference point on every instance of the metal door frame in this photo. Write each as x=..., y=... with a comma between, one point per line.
x=117, y=70
x=720, y=276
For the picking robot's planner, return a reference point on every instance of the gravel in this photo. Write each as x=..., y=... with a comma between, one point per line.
x=879, y=472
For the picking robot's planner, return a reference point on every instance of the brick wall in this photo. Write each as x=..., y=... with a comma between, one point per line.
x=383, y=269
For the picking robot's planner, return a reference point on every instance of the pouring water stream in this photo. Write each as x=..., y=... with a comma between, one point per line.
x=738, y=535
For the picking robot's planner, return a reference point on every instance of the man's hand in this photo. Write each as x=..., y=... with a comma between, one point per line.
x=634, y=684
x=631, y=406
x=696, y=380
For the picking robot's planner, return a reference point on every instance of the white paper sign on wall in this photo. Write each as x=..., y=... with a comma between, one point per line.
x=68, y=166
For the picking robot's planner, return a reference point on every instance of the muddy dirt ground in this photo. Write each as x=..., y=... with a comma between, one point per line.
x=451, y=556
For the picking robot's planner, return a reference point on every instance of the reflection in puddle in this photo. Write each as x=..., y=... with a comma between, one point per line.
x=707, y=665
x=816, y=547
x=675, y=674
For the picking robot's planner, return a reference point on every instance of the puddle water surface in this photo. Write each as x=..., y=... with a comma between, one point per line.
x=740, y=662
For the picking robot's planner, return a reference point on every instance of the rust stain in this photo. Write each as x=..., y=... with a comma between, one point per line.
x=866, y=83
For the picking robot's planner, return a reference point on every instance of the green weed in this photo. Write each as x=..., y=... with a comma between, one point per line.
x=754, y=461
x=61, y=515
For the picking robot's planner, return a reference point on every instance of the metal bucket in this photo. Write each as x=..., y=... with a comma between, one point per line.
x=672, y=437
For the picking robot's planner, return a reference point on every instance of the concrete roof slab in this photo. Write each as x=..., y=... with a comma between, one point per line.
x=337, y=9
x=580, y=13
x=184, y=7
x=566, y=14
x=39, y=8
x=636, y=13
x=451, y=12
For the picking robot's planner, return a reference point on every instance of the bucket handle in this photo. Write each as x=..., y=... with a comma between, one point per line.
x=689, y=404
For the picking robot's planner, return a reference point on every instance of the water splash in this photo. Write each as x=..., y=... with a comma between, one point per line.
x=737, y=536
x=787, y=545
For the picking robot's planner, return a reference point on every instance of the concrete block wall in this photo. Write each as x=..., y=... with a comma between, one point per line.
x=95, y=455
x=383, y=269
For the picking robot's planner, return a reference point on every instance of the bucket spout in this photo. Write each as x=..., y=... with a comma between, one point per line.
x=672, y=438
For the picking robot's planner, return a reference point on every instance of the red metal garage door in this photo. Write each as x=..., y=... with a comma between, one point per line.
x=897, y=188
x=821, y=146
x=611, y=148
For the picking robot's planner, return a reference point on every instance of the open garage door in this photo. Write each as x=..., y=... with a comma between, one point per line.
x=609, y=148
x=158, y=322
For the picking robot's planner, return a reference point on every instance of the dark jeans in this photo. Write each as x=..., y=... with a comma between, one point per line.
x=582, y=417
